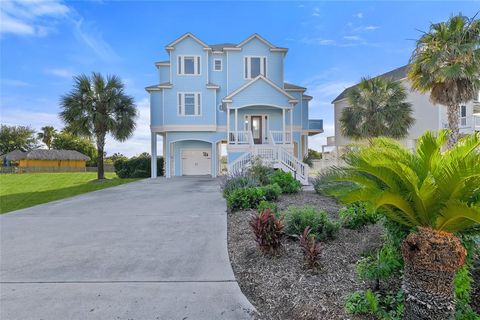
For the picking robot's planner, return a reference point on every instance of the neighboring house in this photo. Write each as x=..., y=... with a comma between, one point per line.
x=230, y=94
x=39, y=159
x=427, y=115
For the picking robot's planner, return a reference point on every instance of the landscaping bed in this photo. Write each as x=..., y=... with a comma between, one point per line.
x=279, y=286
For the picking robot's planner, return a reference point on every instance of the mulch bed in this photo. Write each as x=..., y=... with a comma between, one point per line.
x=280, y=287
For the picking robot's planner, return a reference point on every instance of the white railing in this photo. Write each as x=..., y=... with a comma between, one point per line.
x=275, y=156
x=240, y=137
x=276, y=137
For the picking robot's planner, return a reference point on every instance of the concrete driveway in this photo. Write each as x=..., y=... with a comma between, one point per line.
x=153, y=249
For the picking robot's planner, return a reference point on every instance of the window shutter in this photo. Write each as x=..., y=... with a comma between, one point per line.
x=246, y=68
x=198, y=65
x=198, y=104
x=180, y=103
x=264, y=67
x=179, y=66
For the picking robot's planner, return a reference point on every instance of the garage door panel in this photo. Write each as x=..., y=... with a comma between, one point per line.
x=196, y=162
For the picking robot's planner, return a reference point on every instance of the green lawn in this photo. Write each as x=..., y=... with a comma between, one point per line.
x=19, y=191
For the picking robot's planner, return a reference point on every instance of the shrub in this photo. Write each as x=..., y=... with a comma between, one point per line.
x=137, y=167
x=286, y=181
x=237, y=180
x=267, y=205
x=299, y=218
x=260, y=172
x=311, y=249
x=268, y=230
x=324, y=184
x=362, y=303
x=272, y=191
x=357, y=215
x=245, y=198
x=387, y=307
x=381, y=265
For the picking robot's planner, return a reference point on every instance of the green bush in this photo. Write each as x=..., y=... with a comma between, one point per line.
x=357, y=215
x=137, y=167
x=238, y=180
x=386, y=307
x=381, y=265
x=272, y=191
x=245, y=198
x=298, y=218
x=286, y=181
x=260, y=172
x=267, y=205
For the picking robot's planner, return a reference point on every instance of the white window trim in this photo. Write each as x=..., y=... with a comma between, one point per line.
x=263, y=66
x=198, y=104
x=221, y=65
x=196, y=67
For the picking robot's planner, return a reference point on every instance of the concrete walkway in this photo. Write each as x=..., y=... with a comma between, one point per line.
x=153, y=249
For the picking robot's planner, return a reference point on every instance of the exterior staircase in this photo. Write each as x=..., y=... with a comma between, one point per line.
x=274, y=156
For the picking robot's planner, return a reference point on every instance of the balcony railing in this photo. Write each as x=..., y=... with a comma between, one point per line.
x=277, y=137
x=239, y=137
x=315, y=124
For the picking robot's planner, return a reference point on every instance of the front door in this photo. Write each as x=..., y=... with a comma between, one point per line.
x=257, y=129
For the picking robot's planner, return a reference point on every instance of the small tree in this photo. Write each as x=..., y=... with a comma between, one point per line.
x=17, y=137
x=46, y=135
x=98, y=106
x=67, y=141
x=446, y=63
x=377, y=107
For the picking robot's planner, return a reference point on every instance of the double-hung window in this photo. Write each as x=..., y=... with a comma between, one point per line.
x=189, y=103
x=255, y=66
x=217, y=64
x=463, y=116
x=189, y=65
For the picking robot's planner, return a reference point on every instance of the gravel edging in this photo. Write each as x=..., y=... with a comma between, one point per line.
x=280, y=287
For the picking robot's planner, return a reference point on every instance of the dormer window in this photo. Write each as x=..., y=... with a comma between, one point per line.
x=188, y=65
x=255, y=66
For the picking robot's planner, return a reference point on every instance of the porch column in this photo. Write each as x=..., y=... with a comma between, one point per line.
x=154, y=155
x=228, y=124
x=291, y=126
x=283, y=125
x=214, y=159
x=236, y=124
x=167, y=157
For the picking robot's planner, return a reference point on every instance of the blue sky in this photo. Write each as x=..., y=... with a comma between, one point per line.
x=331, y=46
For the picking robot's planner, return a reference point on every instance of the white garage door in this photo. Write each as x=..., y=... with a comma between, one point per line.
x=196, y=162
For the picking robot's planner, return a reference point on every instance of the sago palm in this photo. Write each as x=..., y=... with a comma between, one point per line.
x=438, y=194
x=377, y=107
x=98, y=106
x=446, y=63
x=46, y=135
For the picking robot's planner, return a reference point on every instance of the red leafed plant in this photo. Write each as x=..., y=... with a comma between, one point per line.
x=311, y=249
x=268, y=230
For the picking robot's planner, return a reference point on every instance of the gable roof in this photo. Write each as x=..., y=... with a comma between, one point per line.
x=45, y=154
x=258, y=78
x=221, y=46
x=395, y=74
x=172, y=44
x=255, y=36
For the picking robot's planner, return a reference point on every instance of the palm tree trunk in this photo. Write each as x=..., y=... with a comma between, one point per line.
x=100, y=148
x=431, y=261
x=453, y=113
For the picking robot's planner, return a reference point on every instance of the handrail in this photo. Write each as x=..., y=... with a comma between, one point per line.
x=278, y=137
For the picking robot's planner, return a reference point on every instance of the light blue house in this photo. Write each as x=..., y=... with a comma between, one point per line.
x=232, y=95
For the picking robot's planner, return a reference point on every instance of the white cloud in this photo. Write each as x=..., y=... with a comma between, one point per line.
x=30, y=18
x=92, y=38
x=60, y=72
x=353, y=38
x=317, y=41
x=359, y=15
x=366, y=28
x=13, y=83
x=316, y=12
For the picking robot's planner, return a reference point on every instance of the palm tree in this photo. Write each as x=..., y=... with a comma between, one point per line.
x=377, y=107
x=437, y=194
x=446, y=63
x=98, y=106
x=46, y=135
